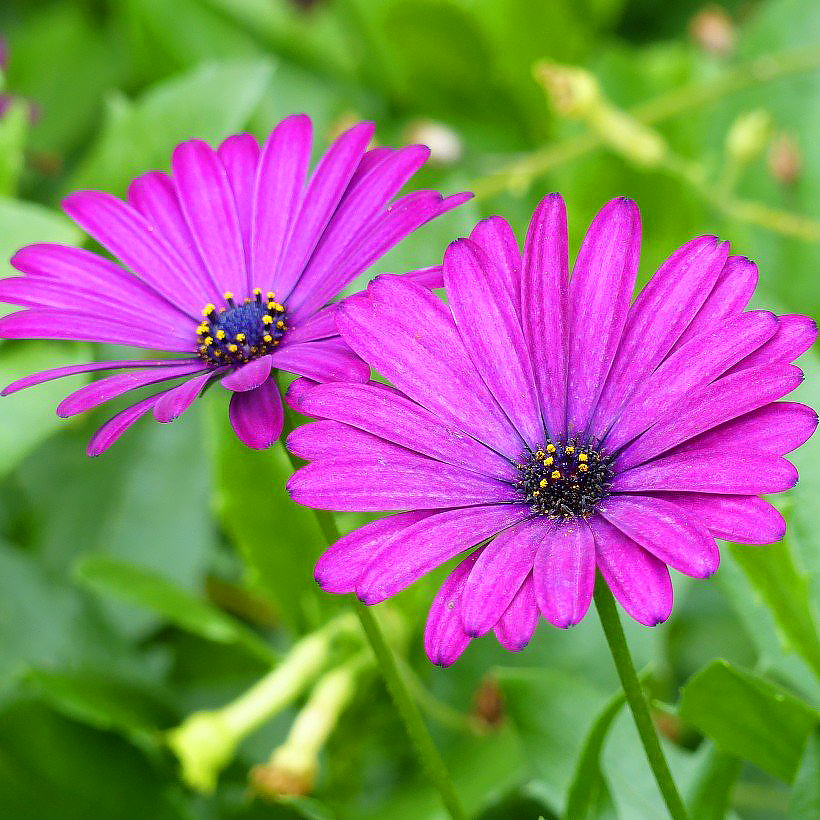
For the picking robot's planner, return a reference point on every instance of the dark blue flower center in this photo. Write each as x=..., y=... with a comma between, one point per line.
x=565, y=479
x=237, y=333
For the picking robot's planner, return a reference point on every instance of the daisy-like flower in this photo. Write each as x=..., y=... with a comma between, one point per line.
x=553, y=425
x=230, y=261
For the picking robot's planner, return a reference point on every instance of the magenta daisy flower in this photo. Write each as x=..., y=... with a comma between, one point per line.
x=230, y=263
x=554, y=426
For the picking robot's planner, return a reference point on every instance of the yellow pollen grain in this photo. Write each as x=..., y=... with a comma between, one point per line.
x=207, y=341
x=550, y=448
x=543, y=482
x=583, y=467
x=233, y=348
x=227, y=295
x=208, y=309
x=267, y=320
x=280, y=324
x=583, y=457
x=257, y=291
x=536, y=493
x=569, y=450
x=271, y=295
x=220, y=334
x=240, y=337
x=555, y=474
x=267, y=338
x=549, y=461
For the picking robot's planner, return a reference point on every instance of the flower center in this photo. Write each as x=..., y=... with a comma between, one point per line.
x=565, y=479
x=240, y=332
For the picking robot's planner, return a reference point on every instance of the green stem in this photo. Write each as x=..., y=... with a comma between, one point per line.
x=408, y=711
x=616, y=639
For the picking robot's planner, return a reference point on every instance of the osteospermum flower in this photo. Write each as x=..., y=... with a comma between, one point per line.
x=229, y=261
x=556, y=427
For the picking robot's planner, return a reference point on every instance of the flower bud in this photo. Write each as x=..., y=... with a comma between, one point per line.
x=572, y=91
x=785, y=161
x=748, y=136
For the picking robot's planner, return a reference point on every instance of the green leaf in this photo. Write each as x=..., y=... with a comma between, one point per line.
x=589, y=793
x=710, y=795
x=180, y=607
x=785, y=591
x=278, y=539
x=13, y=129
x=749, y=717
x=210, y=102
x=805, y=802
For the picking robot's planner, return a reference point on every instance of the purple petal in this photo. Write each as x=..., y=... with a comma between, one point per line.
x=341, y=566
x=742, y=518
x=323, y=360
x=432, y=277
x=404, y=480
x=105, y=389
x=153, y=194
x=48, y=323
x=429, y=543
x=74, y=267
x=564, y=573
x=297, y=390
x=279, y=189
x=325, y=189
x=74, y=369
x=239, y=155
x=131, y=238
x=517, y=625
x=444, y=637
x=662, y=311
x=327, y=439
x=717, y=470
x=499, y=573
x=118, y=424
x=394, y=417
x=496, y=238
x=177, y=400
x=257, y=415
x=794, y=336
x=729, y=297
x=666, y=530
x=488, y=324
x=695, y=364
x=718, y=402
x=249, y=376
x=210, y=210
x=321, y=325
x=355, y=215
x=431, y=367
x=603, y=279
x=637, y=579
x=544, y=307
x=401, y=218
x=776, y=428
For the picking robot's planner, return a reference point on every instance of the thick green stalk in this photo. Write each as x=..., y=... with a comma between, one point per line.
x=616, y=639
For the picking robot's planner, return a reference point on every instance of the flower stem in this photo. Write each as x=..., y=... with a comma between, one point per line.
x=611, y=623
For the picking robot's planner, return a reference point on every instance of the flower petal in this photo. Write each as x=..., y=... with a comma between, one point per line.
x=177, y=400
x=496, y=238
x=429, y=543
x=257, y=415
x=239, y=155
x=637, y=578
x=544, y=307
x=794, y=336
x=118, y=424
x=488, y=324
x=716, y=470
x=516, y=626
x=249, y=376
x=444, y=637
x=666, y=530
x=564, y=573
x=394, y=417
x=322, y=360
x=499, y=573
x=603, y=279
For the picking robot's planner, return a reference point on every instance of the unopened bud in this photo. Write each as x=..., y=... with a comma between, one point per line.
x=488, y=703
x=748, y=136
x=572, y=91
x=444, y=143
x=713, y=31
x=629, y=137
x=785, y=161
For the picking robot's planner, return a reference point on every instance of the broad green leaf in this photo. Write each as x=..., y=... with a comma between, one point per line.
x=210, y=102
x=157, y=594
x=103, y=700
x=805, y=802
x=747, y=716
x=278, y=539
x=589, y=793
x=785, y=590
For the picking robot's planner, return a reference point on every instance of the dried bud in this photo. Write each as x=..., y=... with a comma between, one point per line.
x=284, y=776
x=748, y=136
x=444, y=143
x=785, y=161
x=488, y=703
x=713, y=31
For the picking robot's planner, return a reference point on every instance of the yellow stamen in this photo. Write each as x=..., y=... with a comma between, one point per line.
x=583, y=457
x=555, y=474
x=550, y=448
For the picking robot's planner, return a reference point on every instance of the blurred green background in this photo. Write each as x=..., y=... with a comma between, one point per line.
x=168, y=575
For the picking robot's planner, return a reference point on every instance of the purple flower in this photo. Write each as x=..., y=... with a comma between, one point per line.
x=231, y=262
x=554, y=425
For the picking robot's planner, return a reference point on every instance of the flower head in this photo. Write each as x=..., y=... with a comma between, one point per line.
x=555, y=426
x=229, y=262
